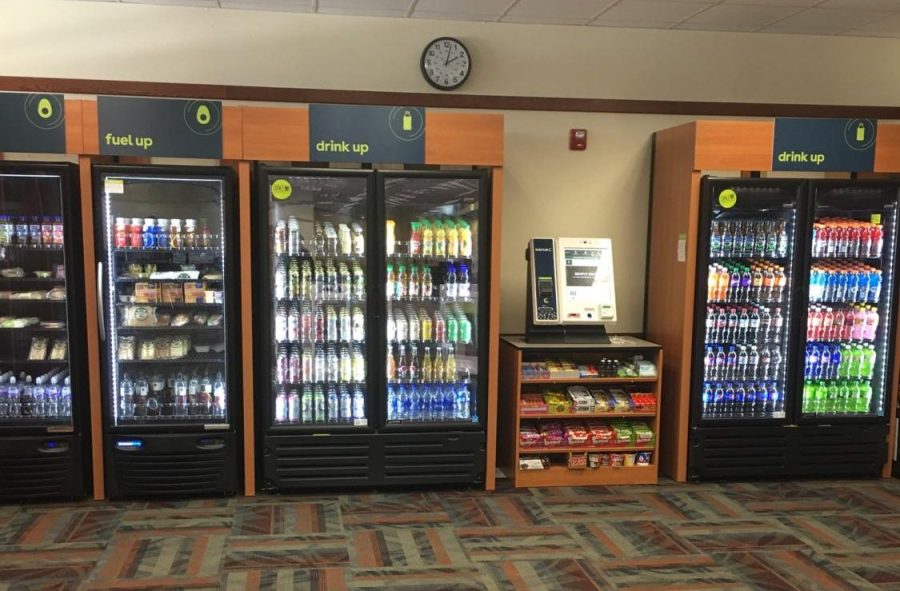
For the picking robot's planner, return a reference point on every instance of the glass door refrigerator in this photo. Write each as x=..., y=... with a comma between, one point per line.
x=368, y=370
x=847, y=345
x=166, y=248
x=742, y=387
x=44, y=408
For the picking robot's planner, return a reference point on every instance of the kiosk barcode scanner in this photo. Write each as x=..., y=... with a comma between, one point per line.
x=571, y=290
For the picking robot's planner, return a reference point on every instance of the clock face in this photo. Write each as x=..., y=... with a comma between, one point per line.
x=446, y=63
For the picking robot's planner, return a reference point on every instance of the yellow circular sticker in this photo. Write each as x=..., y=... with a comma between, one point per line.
x=281, y=189
x=727, y=198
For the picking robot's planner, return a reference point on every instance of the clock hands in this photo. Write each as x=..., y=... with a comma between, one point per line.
x=447, y=60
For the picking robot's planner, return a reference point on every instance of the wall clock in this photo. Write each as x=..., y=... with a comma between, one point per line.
x=446, y=63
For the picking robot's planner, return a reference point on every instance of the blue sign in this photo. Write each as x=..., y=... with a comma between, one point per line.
x=178, y=128
x=32, y=123
x=824, y=145
x=351, y=133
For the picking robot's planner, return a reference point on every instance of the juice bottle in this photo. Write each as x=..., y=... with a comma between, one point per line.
x=450, y=366
x=389, y=237
x=415, y=240
x=440, y=239
x=712, y=284
x=414, y=283
x=390, y=289
x=427, y=239
x=438, y=370
x=425, y=320
x=452, y=239
x=402, y=284
x=427, y=367
x=121, y=233
x=465, y=239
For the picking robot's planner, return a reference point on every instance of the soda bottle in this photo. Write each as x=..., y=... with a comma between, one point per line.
x=734, y=285
x=845, y=403
x=401, y=285
x=870, y=328
x=427, y=372
x=359, y=282
x=393, y=404
x=753, y=363
x=739, y=399
x=403, y=403
x=753, y=325
x=727, y=240
x=874, y=287
x=412, y=323
x=865, y=395
x=715, y=239
x=414, y=282
x=402, y=327
x=731, y=363
x=402, y=368
x=452, y=239
x=462, y=282
x=710, y=324
x=391, y=365
x=724, y=282
x=463, y=402
x=413, y=366
x=743, y=326
x=712, y=284
x=333, y=404
x=731, y=331
x=345, y=403
x=440, y=333
x=427, y=286
x=427, y=239
x=718, y=400
x=765, y=361
x=742, y=362
x=728, y=403
x=319, y=362
x=358, y=361
x=720, y=371
x=867, y=364
x=331, y=279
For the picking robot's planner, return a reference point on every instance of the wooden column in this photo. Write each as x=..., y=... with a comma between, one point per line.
x=490, y=479
x=91, y=298
x=244, y=207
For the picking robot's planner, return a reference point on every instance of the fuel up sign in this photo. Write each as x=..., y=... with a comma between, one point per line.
x=32, y=123
x=350, y=133
x=176, y=128
x=824, y=145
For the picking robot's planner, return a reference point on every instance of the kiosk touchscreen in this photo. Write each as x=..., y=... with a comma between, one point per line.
x=571, y=290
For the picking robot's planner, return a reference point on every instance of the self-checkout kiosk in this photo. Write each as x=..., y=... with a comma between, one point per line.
x=571, y=290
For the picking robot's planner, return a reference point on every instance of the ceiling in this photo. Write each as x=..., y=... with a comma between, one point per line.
x=866, y=18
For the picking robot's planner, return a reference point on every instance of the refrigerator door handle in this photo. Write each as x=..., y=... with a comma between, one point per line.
x=100, y=321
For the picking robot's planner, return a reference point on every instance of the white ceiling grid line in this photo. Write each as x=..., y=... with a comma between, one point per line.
x=865, y=18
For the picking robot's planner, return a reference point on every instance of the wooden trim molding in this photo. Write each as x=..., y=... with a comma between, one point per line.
x=440, y=100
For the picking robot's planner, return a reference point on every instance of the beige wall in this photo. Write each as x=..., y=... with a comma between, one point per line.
x=549, y=190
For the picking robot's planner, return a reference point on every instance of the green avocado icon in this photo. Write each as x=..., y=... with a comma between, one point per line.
x=203, y=116
x=45, y=109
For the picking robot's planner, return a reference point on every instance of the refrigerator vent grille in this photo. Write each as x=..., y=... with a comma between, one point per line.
x=321, y=464
x=736, y=453
x=171, y=474
x=34, y=478
x=431, y=461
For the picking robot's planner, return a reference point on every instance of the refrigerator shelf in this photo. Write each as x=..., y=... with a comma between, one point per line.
x=127, y=280
x=299, y=385
x=28, y=362
x=16, y=280
x=740, y=257
x=130, y=250
x=325, y=300
x=307, y=255
x=199, y=306
x=169, y=420
x=437, y=300
x=27, y=301
x=326, y=343
x=32, y=329
x=195, y=358
x=430, y=260
x=186, y=328
x=25, y=248
x=847, y=258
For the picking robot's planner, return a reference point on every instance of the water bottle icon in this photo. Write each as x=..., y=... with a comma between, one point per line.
x=407, y=121
x=861, y=132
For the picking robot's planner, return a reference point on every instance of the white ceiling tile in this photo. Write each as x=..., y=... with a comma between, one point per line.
x=272, y=5
x=730, y=28
x=794, y=3
x=652, y=10
x=365, y=7
x=825, y=21
x=626, y=24
x=202, y=3
x=745, y=17
x=575, y=12
x=889, y=25
x=862, y=4
x=462, y=9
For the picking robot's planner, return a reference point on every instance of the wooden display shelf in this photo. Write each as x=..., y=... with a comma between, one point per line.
x=616, y=380
x=513, y=350
x=584, y=449
x=592, y=415
x=603, y=476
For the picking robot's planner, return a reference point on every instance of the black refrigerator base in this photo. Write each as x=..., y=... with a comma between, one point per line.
x=807, y=451
x=41, y=468
x=171, y=465
x=366, y=460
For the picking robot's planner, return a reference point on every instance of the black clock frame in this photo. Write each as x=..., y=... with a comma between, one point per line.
x=425, y=72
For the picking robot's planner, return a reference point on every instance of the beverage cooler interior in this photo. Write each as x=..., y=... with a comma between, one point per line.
x=35, y=385
x=165, y=276
x=432, y=311
x=748, y=307
x=850, y=286
x=318, y=300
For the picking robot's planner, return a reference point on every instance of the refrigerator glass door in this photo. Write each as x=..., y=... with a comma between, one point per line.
x=165, y=326
x=432, y=313
x=35, y=385
x=317, y=281
x=851, y=282
x=746, y=320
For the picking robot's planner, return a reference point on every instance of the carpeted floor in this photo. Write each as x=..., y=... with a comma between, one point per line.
x=813, y=535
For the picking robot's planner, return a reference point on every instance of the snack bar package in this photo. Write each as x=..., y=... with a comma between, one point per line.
x=581, y=399
x=557, y=402
x=552, y=434
x=529, y=435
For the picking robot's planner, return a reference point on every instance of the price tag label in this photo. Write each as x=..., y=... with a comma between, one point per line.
x=114, y=186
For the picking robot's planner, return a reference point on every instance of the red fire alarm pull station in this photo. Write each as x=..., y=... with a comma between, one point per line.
x=577, y=139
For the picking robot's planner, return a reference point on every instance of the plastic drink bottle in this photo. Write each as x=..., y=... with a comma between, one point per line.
x=390, y=240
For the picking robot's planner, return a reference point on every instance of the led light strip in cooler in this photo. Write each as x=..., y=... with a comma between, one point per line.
x=111, y=295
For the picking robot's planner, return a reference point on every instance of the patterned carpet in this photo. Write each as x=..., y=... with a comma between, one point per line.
x=776, y=536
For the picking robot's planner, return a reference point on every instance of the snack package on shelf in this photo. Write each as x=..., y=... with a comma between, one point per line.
x=172, y=293
x=552, y=434
x=534, y=463
x=146, y=293
x=581, y=398
x=535, y=370
x=643, y=434
x=643, y=401
x=603, y=400
x=623, y=433
x=557, y=402
x=598, y=460
x=588, y=370
x=601, y=433
x=529, y=435
x=643, y=458
x=195, y=293
x=562, y=369
x=577, y=461
x=576, y=434
x=533, y=403
x=621, y=400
